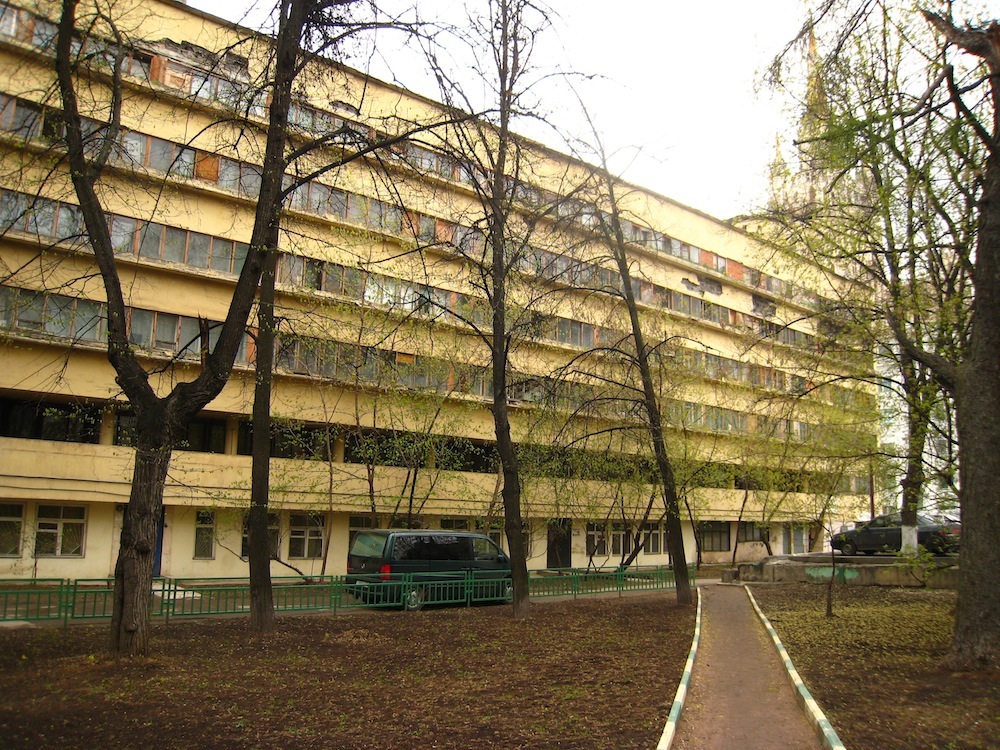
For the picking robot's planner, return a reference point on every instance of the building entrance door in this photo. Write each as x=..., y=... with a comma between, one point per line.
x=560, y=547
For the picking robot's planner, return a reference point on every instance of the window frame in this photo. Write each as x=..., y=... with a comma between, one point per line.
x=716, y=536
x=204, y=524
x=273, y=533
x=16, y=532
x=61, y=523
x=306, y=535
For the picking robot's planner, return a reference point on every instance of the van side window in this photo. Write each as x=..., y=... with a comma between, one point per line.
x=484, y=549
x=437, y=547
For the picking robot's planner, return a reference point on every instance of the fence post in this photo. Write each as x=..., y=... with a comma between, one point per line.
x=65, y=591
x=168, y=597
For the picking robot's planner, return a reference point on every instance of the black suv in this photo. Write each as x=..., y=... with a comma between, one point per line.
x=884, y=534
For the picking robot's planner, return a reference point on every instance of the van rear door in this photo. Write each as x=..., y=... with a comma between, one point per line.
x=366, y=553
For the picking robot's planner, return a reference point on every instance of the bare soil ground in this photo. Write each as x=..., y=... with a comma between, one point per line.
x=579, y=675
x=874, y=667
x=584, y=674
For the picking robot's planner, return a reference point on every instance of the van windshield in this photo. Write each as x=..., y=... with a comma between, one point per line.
x=368, y=545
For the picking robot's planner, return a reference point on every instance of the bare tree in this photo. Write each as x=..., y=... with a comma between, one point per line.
x=162, y=419
x=495, y=242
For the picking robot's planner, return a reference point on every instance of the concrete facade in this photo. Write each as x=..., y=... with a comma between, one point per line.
x=376, y=296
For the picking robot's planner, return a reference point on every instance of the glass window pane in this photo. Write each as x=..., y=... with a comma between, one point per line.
x=12, y=209
x=30, y=310
x=250, y=180
x=8, y=21
x=229, y=174
x=10, y=537
x=222, y=255
x=338, y=203
x=166, y=331
x=198, y=249
x=239, y=258
x=123, y=234
x=173, y=244
x=59, y=316
x=189, y=342
x=140, y=330
x=358, y=209
x=132, y=150
x=319, y=198
x=70, y=222
x=183, y=164
x=72, y=539
x=88, y=321
x=44, y=33
x=42, y=218
x=46, y=538
x=203, y=542
x=149, y=242
x=161, y=155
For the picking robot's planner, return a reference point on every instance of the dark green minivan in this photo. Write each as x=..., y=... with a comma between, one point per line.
x=410, y=568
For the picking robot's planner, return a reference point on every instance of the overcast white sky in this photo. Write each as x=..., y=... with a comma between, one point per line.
x=677, y=96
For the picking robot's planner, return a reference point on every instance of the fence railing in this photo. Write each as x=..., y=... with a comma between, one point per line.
x=49, y=599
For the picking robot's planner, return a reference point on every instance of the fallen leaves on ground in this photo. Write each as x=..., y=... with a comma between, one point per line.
x=874, y=667
x=580, y=675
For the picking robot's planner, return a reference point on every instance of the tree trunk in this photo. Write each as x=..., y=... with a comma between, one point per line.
x=739, y=520
x=976, y=642
x=917, y=419
x=651, y=406
x=134, y=570
x=511, y=494
x=261, y=594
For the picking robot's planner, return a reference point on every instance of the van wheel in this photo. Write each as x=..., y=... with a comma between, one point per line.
x=414, y=599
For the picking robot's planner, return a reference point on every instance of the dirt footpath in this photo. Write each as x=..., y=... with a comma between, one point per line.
x=740, y=695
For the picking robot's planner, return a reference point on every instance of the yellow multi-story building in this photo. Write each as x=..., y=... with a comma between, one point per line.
x=382, y=389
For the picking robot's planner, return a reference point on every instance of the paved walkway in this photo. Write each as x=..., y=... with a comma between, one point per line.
x=740, y=696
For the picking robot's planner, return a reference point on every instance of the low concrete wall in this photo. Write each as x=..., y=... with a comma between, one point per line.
x=884, y=571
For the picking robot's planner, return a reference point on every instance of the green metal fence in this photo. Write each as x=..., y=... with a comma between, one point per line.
x=228, y=596
x=33, y=600
x=82, y=599
x=583, y=581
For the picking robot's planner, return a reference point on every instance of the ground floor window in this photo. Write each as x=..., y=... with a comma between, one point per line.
x=621, y=539
x=796, y=539
x=59, y=531
x=360, y=523
x=493, y=528
x=11, y=527
x=204, y=534
x=597, y=541
x=714, y=536
x=305, y=535
x=273, y=535
x=749, y=532
x=652, y=537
